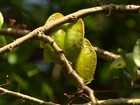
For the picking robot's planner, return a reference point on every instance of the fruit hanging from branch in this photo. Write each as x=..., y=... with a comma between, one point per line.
x=77, y=49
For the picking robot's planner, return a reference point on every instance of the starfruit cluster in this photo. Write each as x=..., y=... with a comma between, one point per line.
x=77, y=49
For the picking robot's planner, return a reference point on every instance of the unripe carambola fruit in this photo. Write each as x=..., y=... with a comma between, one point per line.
x=84, y=65
x=68, y=37
x=2, y=38
x=1, y=20
x=86, y=62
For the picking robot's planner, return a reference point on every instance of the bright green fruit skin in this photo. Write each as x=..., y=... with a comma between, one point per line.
x=68, y=37
x=2, y=38
x=84, y=65
x=1, y=20
x=86, y=62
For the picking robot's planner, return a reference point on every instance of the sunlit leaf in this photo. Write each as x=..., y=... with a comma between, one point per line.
x=119, y=63
x=12, y=58
x=130, y=64
x=1, y=20
x=2, y=41
x=125, y=62
x=136, y=53
x=47, y=90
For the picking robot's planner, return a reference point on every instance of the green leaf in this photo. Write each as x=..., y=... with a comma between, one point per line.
x=2, y=43
x=119, y=63
x=47, y=90
x=12, y=58
x=1, y=20
x=125, y=62
x=130, y=64
x=136, y=53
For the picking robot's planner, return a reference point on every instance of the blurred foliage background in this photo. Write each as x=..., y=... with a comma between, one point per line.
x=29, y=74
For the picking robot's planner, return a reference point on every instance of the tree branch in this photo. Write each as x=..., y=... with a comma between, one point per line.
x=105, y=54
x=120, y=101
x=14, y=32
x=26, y=97
x=19, y=33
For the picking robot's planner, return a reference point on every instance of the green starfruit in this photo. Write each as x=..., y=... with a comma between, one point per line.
x=77, y=49
x=1, y=20
x=86, y=62
x=68, y=37
x=2, y=38
x=136, y=53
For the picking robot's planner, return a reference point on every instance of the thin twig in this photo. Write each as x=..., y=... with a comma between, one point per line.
x=25, y=97
x=105, y=54
x=14, y=32
x=119, y=101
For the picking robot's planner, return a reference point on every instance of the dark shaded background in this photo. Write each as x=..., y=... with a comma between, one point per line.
x=29, y=74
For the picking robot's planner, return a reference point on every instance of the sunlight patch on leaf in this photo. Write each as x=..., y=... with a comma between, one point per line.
x=32, y=72
x=136, y=53
x=47, y=90
x=12, y=58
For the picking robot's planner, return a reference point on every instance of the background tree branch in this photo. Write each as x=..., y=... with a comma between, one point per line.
x=26, y=97
x=19, y=33
x=119, y=101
